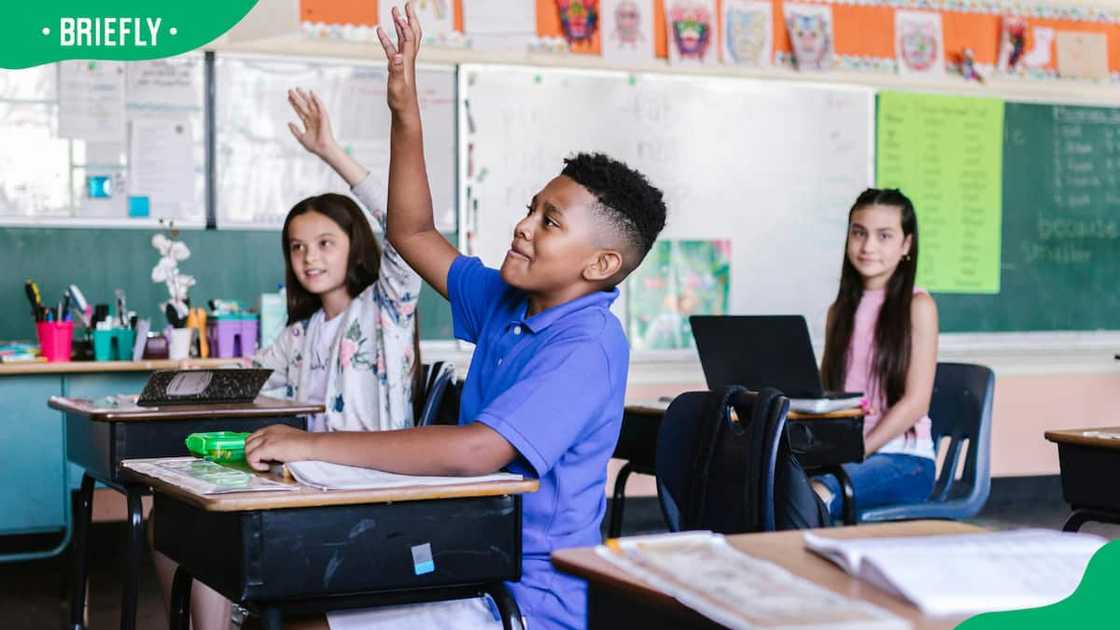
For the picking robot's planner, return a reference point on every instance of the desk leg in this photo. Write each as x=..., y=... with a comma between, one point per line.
x=272, y=618
x=507, y=606
x=80, y=550
x=180, y=600
x=618, y=501
x=134, y=556
x=849, y=497
x=1080, y=516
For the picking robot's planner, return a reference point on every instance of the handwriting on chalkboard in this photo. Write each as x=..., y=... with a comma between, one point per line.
x=1085, y=159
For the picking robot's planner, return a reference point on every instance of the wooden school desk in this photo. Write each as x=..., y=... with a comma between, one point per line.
x=310, y=551
x=99, y=438
x=616, y=600
x=40, y=502
x=1089, y=465
x=832, y=439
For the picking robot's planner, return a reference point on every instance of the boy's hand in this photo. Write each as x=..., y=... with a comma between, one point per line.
x=277, y=443
x=402, y=60
x=316, y=135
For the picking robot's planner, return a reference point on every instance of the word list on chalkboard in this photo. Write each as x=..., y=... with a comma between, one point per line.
x=945, y=153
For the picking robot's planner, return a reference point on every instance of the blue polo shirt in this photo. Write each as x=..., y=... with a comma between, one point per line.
x=554, y=386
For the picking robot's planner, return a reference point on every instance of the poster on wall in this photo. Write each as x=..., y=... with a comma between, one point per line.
x=748, y=32
x=579, y=22
x=919, y=45
x=678, y=278
x=1082, y=55
x=1024, y=46
x=436, y=16
x=500, y=24
x=810, y=34
x=627, y=33
x=692, y=33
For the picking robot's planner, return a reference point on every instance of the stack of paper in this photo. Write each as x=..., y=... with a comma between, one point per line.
x=702, y=571
x=968, y=573
x=327, y=476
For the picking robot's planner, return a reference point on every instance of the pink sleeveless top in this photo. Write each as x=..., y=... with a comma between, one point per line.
x=861, y=354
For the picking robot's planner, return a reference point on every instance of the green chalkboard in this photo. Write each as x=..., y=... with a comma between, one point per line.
x=1060, y=264
x=228, y=264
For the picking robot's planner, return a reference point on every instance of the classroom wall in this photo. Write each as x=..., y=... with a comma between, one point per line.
x=228, y=264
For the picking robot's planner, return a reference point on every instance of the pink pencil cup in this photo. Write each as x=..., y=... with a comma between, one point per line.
x=55, y=340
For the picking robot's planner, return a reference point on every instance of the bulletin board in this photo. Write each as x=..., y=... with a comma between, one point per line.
x=103, y=143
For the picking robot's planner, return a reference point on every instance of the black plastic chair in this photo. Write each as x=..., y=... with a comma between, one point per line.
x=961, y=409
x=439, y=379
x=738, y=479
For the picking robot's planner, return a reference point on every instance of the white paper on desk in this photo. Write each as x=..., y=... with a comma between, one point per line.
x=160, y=157
x=967, y=573
x=737, y=590
x=500, y=24
x=327, y=476
x=91, y=100
x=204, y=477
x=824, y=405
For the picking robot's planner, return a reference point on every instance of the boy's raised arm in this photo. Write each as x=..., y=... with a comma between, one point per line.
x=410, y=226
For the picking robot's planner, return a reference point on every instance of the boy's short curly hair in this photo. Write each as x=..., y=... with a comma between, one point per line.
x=633, y=206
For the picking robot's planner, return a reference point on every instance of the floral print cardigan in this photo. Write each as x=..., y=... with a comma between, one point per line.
x=369, y=383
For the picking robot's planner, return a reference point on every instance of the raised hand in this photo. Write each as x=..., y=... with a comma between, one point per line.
x=401, y=93
x=316, y=135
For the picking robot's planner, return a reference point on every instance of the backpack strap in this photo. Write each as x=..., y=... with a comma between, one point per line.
x=764, y=447
x=712, y=421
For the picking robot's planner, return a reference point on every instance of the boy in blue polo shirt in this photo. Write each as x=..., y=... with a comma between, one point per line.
x=544, y=395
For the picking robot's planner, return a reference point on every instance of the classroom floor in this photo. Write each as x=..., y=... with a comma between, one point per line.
x=33, y=594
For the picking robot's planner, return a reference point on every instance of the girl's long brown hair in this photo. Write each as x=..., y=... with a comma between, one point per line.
x=892, y=328
x=363, y=267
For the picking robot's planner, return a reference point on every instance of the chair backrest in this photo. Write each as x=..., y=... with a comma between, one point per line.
x=961, y=409
x=439, y=379
x=717, y=453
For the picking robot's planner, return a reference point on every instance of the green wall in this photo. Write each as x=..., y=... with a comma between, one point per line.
x=228, y=264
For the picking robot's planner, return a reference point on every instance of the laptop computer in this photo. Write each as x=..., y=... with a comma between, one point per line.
x=199, y=387
x=765, y=351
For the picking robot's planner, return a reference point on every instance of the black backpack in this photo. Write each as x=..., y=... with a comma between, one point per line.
x=739, y=474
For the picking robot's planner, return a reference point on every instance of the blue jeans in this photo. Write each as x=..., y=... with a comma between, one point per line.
x=882, y=479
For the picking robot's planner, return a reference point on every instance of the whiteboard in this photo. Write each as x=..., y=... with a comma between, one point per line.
x=772, y=166
x=45, y=176
x=262, y=171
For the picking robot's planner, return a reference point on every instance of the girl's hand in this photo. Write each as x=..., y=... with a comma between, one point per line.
x=402, y=61
x=277, y=443
x=316, y=135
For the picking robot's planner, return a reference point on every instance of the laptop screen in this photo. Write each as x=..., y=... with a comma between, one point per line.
x=758, y=351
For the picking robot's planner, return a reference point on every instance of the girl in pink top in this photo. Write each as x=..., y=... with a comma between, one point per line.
x=881, y=339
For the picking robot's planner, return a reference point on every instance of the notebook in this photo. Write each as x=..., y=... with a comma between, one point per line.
x=737, y=590
x=328, y=476
x=194, y=387
x=758, y=351
x=964, y=574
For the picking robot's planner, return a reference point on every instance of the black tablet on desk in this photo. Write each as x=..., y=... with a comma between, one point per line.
x=199, y=387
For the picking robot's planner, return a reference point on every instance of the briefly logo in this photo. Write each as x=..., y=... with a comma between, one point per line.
x=108, y=31
x=35, y=33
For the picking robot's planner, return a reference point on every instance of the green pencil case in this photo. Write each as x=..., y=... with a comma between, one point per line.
x=218, y=446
